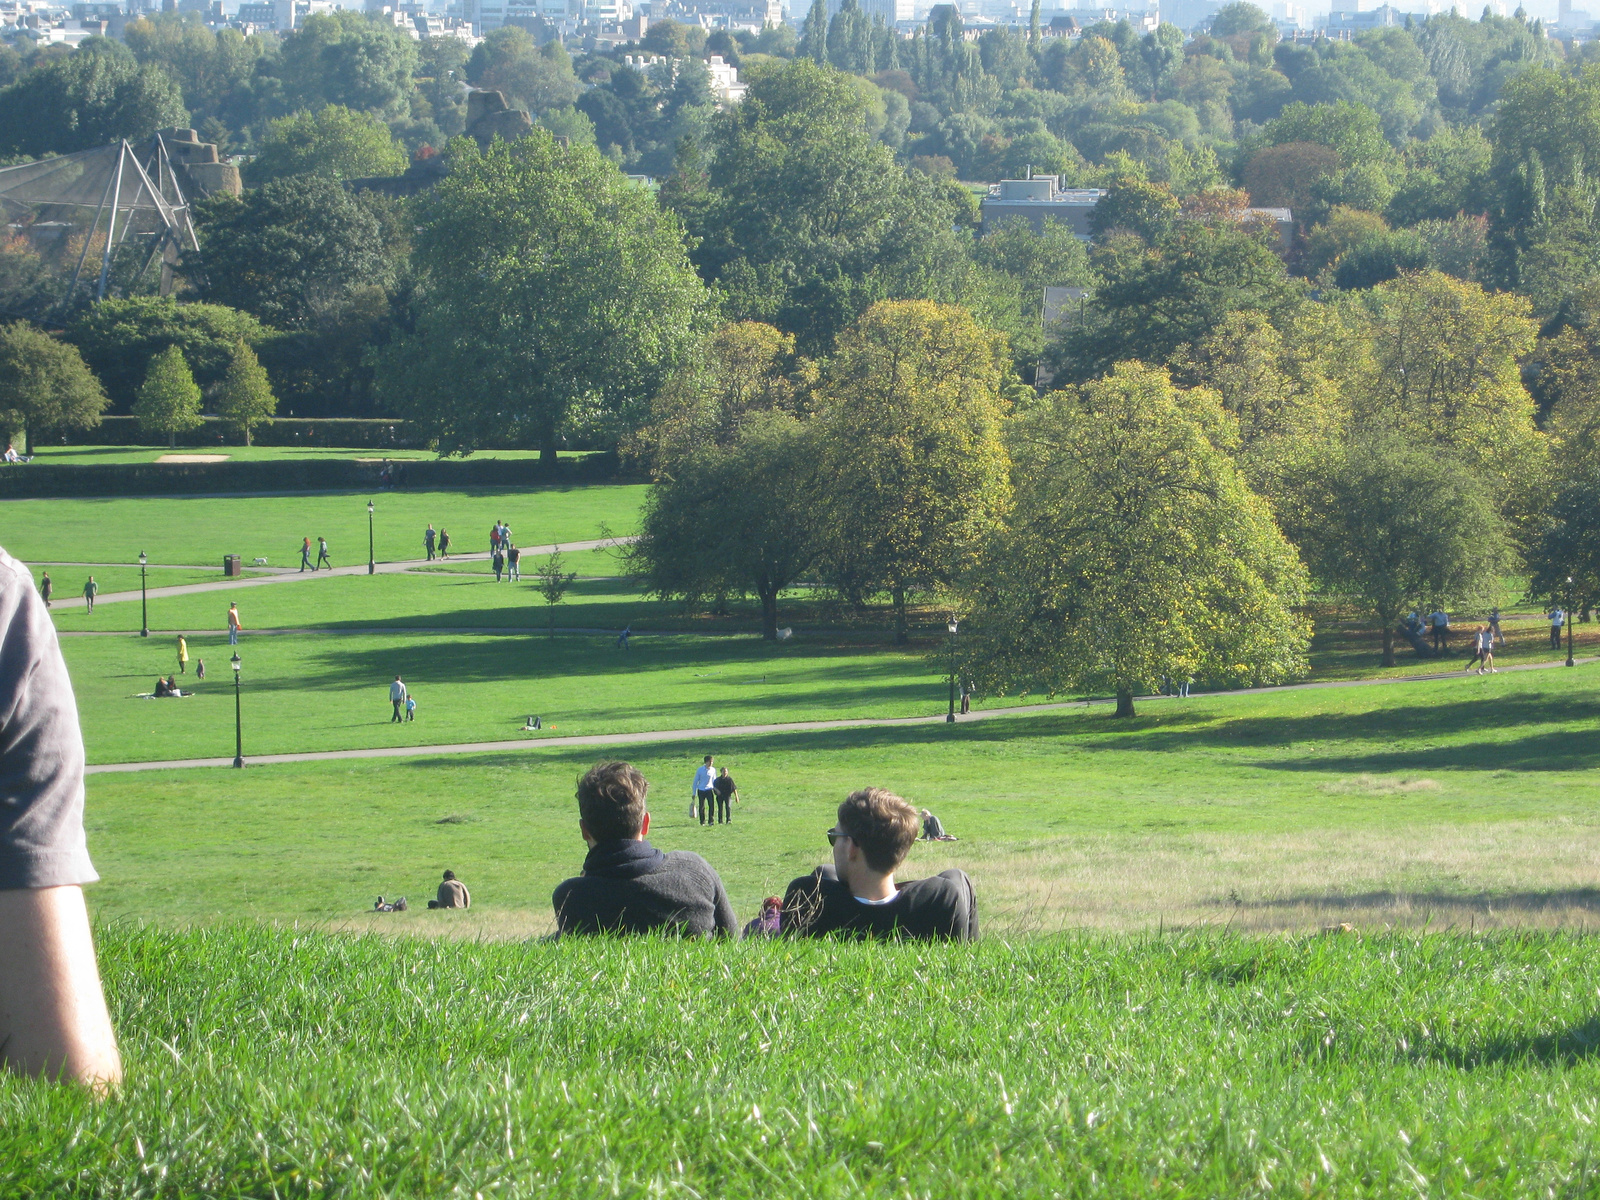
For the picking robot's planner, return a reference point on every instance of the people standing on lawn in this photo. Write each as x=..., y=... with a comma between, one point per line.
x=397, y=697
x=499, y=562
x=322, y=554
x=494, y=538
x=183, y=655
x=704, y=792
x=1441, y=629
x=444, y=543
x=1558, y=618
x=233, y=624
x=514, y=564
x=411, y=707
x=427, y=542
x=199, y=668
x=727, y=792
x=91, y=589
x=627, y=885
x=305, y=555
x=45, y=588
x=1494, y=629
x=622, y=638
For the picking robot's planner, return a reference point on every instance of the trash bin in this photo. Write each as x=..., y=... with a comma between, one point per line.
x=230, y=566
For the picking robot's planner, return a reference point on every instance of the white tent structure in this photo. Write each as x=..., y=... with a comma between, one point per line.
x=100, y=218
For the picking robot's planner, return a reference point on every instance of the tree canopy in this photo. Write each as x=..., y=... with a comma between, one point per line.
x=44, y=384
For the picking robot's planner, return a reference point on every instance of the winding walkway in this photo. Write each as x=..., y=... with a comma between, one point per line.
x=727, y=731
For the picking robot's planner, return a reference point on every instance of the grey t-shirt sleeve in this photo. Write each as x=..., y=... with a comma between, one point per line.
x=41, y=747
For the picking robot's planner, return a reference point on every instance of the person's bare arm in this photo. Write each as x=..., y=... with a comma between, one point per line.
x=53, y=1018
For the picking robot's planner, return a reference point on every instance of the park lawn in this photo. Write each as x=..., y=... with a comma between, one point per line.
x=70, y=578
x=1342, y=648
x=1463, y=801
x=267, y=1062
x=588, y=564
x=324, y=692
x=197, y=530
x=106, y=455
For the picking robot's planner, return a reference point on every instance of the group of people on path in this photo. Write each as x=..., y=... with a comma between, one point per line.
x=439, y=541
x=47, y=589
x=504, y=554
x=322, y=555
x=629, y=886
x=713, y=795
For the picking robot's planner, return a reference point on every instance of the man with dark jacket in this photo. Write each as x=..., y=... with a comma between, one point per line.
x=857, y=895
x=627, y=885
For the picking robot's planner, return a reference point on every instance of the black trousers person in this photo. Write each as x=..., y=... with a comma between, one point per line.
x=707, y=798
x=724, y=806
x=397, y=716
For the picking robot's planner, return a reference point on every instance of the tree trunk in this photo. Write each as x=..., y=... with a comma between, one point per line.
x=27, y=440
x=1124, y=703
x=901, y=633
x=1388, y=643
x=769, y=613
x=172, y=439
x=547, y=444
x=247, y=440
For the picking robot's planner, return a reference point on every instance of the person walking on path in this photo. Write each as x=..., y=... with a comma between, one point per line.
x=427, y=542
x=183, y=655
x=1441, y=629
x=514, y=564
x=705, y=794
x=1494, y=629
x=1486, y=651
x=322, y=554
x=727, y=792
x=45, y=588
x=305, y=555
x=494, y=538
x=1557, y=620
x=444, y=543
x=499, y=562
x=233, y=624
x=90, y=591
x=397, y=697
x=622, y=638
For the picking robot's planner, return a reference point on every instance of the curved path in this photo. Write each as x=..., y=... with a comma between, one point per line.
x=726, y=731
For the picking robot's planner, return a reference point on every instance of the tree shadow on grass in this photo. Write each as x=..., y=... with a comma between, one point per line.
x=1568, y=1047
x=1447, y=904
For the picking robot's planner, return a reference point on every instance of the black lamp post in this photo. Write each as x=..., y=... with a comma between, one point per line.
x=144, y=603
x=238, y=718
x=1569, y=621
x=372, y=558
x=951, y=716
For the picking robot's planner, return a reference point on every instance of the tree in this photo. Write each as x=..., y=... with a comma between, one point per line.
x=553, y=290
x=1134, y=551
x=334, y=141
x=245, y=398
x=1399, y=525
x=118, y=338
x=911, y=412
x=744, y=518
x=93, y=96
x=1241, y=17
x=350, y=59
x=743, y=369
x=213, y=69
x=292, y=249
x=169, y=398
x=553, y=584
x=45, y=384
x=508, y=61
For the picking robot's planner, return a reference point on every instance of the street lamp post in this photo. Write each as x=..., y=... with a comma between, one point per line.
x=951, y=716
x=372, y=558
x=1569, y=621
x=238, y=718
x=144, y=603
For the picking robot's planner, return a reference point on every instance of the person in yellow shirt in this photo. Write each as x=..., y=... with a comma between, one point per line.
x=183, y=655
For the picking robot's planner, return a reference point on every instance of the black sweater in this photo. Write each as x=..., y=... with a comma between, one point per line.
x=944, y=906
x=631, y=887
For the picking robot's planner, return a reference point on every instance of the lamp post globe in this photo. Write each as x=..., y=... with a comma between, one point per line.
x=372, y=558
x=238, y=721
x=144, y=602
x=951, y=715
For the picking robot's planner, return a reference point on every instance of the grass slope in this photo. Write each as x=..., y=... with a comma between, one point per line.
x=1468, y=801
x=277, y=1063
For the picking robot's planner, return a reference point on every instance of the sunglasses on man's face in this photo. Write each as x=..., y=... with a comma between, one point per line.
x=834, y=835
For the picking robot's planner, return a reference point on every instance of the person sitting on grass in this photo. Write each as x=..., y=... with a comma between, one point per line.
x=933, y=829
x=452, y=893
x=770, y=922
x=627, y=885
x=857, y=895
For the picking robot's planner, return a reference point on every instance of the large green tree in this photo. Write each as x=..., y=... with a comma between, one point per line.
x=245, y=399
x=169, y=398
x=1135, y=551
x=911, y=412
x=93, y=96
x=44, y=384
x=553, y=291
x=118, y=338
x=740, y=518
x=348, y=58
x=532, y=77
x=334, y=141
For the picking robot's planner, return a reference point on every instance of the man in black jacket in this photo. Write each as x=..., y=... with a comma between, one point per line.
x=858, y=896
x=627, y=885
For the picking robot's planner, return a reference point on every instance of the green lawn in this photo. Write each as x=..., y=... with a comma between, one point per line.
x=286, y=1063
x=102, y=455
x=199, y=530
x=69, y=581
x=1471, y=798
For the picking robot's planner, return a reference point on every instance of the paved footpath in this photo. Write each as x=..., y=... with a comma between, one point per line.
x=291, y=574
x=727, y=731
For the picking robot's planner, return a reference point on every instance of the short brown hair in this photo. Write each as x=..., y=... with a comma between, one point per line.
x=882, y=824
x=611, y=801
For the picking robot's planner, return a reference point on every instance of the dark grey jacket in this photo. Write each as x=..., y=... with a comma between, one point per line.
x=631, y=887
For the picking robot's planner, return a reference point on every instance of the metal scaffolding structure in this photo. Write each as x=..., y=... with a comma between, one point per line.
x=112, y=210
